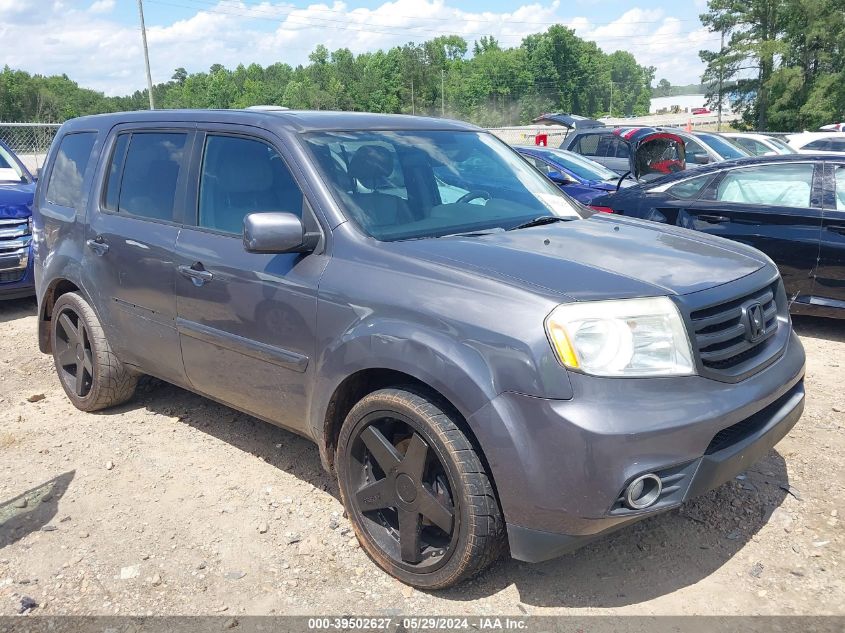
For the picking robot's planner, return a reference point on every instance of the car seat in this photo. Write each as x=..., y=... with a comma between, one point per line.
x=371, y=165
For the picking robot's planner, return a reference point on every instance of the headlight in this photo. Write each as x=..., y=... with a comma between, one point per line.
x=626, y=337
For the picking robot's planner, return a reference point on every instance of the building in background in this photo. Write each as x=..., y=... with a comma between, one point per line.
x=684, y=103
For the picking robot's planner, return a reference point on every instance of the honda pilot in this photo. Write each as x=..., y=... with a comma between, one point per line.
x=483, y=367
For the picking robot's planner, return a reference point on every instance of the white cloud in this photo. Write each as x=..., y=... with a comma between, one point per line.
x=99, y=52
x=654, y=39
x=102, y=6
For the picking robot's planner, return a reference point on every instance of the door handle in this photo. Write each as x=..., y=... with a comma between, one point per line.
x=713, y=219
x=98, y=245
x=196, y=273
x=837, y=228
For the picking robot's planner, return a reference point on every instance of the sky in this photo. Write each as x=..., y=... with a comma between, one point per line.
x=98, y=44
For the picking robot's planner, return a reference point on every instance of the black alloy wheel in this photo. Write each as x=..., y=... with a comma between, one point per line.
x=74, y=354
x=91, y=374
x=402, y=492
x=415, y=489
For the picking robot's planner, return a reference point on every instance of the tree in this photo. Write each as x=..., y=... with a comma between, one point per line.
x=180, y=75
x=753, y=29
x=553, y=70
x=783, y=60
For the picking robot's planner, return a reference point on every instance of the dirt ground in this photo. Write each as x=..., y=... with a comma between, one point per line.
x=172, y=504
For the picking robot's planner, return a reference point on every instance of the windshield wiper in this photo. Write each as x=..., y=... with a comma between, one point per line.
x=497, y=229
x=539, y=221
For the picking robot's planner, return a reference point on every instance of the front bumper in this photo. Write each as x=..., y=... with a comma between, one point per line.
x=561, y=465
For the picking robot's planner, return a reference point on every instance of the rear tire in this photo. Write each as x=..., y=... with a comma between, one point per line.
x=91, y=375
x=416, y=491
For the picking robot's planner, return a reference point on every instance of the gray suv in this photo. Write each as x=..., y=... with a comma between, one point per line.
x=482, y=363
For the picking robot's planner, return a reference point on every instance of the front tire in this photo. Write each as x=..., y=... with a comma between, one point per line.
x=416, y=492
x=91, y=375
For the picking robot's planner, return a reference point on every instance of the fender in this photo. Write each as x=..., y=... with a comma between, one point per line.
x=455, y=369
x=51, y=269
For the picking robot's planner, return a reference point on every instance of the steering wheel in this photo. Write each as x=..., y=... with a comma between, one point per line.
x=472, y=195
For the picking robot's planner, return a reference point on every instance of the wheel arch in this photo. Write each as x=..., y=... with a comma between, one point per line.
x=365, y=381
x=47, y=301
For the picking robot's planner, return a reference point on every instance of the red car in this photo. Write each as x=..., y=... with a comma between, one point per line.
x=700, y=111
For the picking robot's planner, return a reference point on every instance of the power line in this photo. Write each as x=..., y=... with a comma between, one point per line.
x=344, y=25
x=261, y=8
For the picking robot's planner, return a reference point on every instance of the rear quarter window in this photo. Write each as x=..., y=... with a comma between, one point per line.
x=65, y=185
x=144, y=172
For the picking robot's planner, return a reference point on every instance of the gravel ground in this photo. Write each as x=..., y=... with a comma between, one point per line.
x=173, y=504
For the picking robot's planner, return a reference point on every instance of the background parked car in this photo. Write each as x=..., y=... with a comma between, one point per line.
x=833, y=127
x=17, y=188
x=703, y=148
x=790, y=207
x=640, y=151
x=759, y=144
x=818, y=142
x=580, y=177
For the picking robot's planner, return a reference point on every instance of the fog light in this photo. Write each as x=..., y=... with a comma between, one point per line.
x=643, y=492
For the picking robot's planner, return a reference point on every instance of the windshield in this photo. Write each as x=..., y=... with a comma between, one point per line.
x=419, y=183
x=9, y=169
x=782, y=147
x=723, y=147
x=578, y=165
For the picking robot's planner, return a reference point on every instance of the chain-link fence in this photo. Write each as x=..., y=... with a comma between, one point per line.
x=531, y=134
x=30, y=141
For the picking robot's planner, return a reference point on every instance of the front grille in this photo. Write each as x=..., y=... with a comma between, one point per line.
x=726, y=335
x=11, y=276
x=14, y=240
x=12, y=230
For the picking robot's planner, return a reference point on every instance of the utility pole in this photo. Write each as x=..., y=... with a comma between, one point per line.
x=721, y=73
x=413, y=105
x=442, y=92
x=611, y=100
x=146, y=54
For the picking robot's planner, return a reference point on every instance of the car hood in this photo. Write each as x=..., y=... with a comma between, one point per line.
x=16, y=199
x=598, y=258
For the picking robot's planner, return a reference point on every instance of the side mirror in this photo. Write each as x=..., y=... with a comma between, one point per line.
x=37, y=175
x=701, y=159
x=559, y=178
x=277, y=233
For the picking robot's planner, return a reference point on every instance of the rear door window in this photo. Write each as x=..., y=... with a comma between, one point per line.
x=690, y=189
x=787, y=185
x=755, y=147
x=65, y=186
x=242, y=176
x=116, y=172
x=588, y=144
x=695, y=152
x=823, y=144
x=839, y=180
x=145, y=184
x=837, y=144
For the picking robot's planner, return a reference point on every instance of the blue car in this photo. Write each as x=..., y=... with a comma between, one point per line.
x=580, y=177
x=17, y=189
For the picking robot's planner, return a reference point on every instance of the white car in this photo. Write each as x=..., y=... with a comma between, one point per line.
x=759, y=144
x=818, y=142
x=833, y=127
